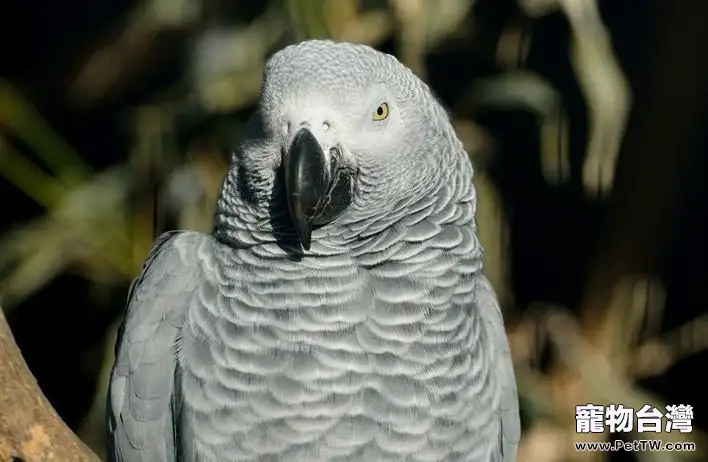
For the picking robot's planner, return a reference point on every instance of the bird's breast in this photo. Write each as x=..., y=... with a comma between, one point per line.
x=315, y=360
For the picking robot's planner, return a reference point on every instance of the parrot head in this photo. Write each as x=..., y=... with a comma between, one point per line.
x=348, y=132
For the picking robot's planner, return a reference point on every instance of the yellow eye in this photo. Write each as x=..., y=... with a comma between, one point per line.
x=381, y=112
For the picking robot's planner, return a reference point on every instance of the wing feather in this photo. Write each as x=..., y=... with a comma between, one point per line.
x=141, y=396
x=509, y=401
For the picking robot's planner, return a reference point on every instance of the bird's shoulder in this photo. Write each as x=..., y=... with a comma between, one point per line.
x=510, y=421
x=141, y=392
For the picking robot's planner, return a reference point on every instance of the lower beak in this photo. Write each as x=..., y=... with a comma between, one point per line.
x=318, y=188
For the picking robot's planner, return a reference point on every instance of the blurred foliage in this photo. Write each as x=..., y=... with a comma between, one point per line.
x=101, y=224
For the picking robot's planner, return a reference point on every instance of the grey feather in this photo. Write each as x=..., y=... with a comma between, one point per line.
x=509, y=401
x=382, y=342
x=141, y=396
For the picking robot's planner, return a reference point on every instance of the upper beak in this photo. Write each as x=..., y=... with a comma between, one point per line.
x=318, y=188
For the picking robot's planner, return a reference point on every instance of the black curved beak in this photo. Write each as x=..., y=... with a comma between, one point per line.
x=318, y=187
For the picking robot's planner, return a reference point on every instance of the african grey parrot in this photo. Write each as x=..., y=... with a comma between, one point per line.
x=338, y=311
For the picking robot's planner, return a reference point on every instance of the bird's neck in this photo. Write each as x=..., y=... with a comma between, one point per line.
x=432, y=223
x=242, y=221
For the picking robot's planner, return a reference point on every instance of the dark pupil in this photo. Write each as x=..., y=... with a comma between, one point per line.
x=379, y=111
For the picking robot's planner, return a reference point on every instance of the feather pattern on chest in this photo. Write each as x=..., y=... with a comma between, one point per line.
x=367, y=352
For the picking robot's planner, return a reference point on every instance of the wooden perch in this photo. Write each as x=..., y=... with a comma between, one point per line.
x=30, y=429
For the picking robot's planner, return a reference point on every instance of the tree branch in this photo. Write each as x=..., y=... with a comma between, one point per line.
x=30, y=429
